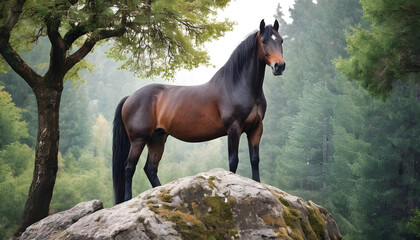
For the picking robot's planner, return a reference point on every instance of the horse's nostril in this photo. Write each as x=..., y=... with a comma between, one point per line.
x=280, y=66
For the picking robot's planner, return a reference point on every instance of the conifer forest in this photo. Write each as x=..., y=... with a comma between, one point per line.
x=342, y=126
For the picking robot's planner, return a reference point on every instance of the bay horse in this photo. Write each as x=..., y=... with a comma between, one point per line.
x=231, y=103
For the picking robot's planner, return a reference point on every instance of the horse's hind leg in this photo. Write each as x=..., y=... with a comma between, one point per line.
x=155, y=145
x=136, y=148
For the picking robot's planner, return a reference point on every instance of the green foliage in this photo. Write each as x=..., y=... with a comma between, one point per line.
x=365, y=170
x=387, y=177
x=22, y=94
x=414, y=223
x=88, y=175
x=75, y=122
x=388, y=50
x=146, y=44
x=168, y=36
x=82, y=179
x=74, y=74
x=15, y=165
x=11, y=126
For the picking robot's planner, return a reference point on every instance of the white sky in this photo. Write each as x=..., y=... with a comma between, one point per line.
x=247, y=14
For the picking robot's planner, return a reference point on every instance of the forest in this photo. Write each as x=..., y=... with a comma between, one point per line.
x=330, y=135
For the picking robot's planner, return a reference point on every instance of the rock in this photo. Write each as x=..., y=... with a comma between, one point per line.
x=53, y=225
x=212, y=205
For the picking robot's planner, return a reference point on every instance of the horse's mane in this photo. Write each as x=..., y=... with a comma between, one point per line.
x=232, y=68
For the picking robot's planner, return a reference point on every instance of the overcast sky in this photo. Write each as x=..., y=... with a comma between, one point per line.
x=247, y=14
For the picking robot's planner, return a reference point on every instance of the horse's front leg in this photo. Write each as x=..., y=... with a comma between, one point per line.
x=234, y=134
x=130, y=166
x=254, y=138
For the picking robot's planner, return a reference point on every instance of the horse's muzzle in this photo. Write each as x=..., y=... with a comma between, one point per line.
x=278, y=68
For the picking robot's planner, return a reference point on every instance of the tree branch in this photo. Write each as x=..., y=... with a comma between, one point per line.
x=8, y=53
x=18, y=65
x=13, y=17
x=84, y=28
x=57, y=42
x=73, y=34
x=89, y=44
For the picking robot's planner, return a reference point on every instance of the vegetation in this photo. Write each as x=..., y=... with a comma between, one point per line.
x=325, y=139
x=387, y=50
x=414, y=222
x=210, y=217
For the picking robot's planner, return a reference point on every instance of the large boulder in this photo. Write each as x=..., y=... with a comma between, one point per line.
x=212, y=205
x=55, y=224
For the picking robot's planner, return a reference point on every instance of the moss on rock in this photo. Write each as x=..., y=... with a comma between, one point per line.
x=307, y=230
x=317, y=222
x=284, y=201
x=291, y=217
x=208, y=218
x=211, y=184
x=164, y=196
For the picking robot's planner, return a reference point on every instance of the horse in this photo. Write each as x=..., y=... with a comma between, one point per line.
x=231, y=103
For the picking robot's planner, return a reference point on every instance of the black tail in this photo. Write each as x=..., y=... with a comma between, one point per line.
x=120, y=149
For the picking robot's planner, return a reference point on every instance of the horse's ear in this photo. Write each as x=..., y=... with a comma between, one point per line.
x=262, y=26
x=276, y=26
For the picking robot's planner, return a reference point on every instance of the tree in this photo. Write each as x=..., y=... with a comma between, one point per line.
x=75, y=124
x=11, y=127
x=312, y=104
x=414, y=222
x=158, y=36
x=14, y=164
x=22, y=95
x=386, y=184
x=387, y=51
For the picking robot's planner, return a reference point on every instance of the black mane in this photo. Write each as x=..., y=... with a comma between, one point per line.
x=232, y=68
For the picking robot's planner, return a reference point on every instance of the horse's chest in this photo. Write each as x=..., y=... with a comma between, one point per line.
x=254, y=117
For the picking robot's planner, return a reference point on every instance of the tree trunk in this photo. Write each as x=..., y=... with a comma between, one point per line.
x=41, y=190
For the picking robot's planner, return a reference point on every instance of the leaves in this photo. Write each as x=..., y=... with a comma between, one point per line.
x=170, y=35
x=383, y=53
x=11, y=127
x=74, y=73
x=159, y=36
x=414, y=223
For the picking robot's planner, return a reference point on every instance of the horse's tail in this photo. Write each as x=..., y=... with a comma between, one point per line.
x=120, y=149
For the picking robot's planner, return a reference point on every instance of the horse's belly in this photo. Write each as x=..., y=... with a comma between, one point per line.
x=195, y=128
x=197, y=136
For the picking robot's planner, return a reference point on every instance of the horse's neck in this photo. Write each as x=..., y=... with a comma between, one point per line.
x=252, y=74
x=258, y=79
x=243, y=72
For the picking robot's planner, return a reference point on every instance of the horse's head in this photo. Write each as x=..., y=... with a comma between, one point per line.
x=270, y=47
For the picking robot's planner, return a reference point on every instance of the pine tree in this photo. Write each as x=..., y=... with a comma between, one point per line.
x=386, y=51
x=74, y=119
x=387, y=182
